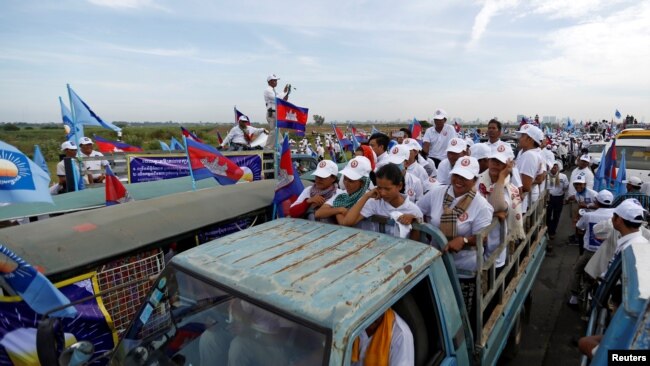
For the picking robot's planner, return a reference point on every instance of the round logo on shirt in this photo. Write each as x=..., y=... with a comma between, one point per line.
x=518, y=216
x=462, y=217
x=432, y=179
x=501, y=148
x=354, y=164
x=395, y=150
x=322, y=164
x=514, y=205
x=410, y=192
x=464, y=162
x=453, y=142
x=406, y=141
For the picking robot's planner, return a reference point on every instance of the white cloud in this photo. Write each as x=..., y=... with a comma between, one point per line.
x=165, y=52
x=489, y=10
x=128, y=4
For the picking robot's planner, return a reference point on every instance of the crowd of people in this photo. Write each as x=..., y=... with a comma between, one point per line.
x=460, y=186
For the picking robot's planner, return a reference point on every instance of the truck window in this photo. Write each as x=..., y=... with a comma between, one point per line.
x=636, y=157
x=419, y=311
x=189, y=321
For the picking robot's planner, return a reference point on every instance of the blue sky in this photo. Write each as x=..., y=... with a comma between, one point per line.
x=192, y=60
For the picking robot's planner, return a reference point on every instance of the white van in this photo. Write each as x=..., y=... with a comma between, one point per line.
x=636, y=143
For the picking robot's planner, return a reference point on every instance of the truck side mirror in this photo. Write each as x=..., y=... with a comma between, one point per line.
x=77, y=355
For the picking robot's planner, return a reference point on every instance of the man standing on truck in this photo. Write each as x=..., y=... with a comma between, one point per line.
x=387, y=341
x=269, y=100
x=437, y=138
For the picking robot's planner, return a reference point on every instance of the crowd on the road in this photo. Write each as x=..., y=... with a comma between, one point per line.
x=459, y=186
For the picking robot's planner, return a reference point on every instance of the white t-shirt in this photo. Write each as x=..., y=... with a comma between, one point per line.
x=587, y=222
x=418, y=171
x=402, y=347
x=236, y=135
x=269, y=97
x=413, y=187
x=381, y=161
x=438, y=141
x=477, y=217
x=589, y=178
x=529, y=164
x=382, y=208
x=444, y=172
x=588, y=197
x=93, y=165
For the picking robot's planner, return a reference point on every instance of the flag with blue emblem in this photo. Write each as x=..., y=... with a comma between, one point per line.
x=39, y=159
x=85, y=116
x=176, y=145
x=21, y=180
x=37, y=291
x=68, y=125
x=617, y=114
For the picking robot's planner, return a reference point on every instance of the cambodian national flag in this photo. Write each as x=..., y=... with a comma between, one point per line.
x=457, y=127
x=116, y=193
x=207, y=162
x=109, y=146
x=291, y=116
x=189, y=135
x=220, y=139
x=416, y=129
x=240, y=114
x=341, y=137
x=37, y=291
x=360, y=136
x=289, y=185
x=617, y=114
x=21, y=180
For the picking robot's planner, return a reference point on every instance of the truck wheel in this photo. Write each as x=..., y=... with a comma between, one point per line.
x=514, y=338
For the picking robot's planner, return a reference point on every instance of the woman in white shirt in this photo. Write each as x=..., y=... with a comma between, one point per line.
x=385, y=200
x=460, y=214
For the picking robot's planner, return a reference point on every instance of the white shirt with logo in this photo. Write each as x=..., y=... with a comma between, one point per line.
x=413, y=187
x=380, y=207
x=529, y=164
x=418, y=171
x=438, y=141
x=587, y=222
x=444, y=172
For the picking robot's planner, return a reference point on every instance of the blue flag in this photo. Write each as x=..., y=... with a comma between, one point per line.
x=176, y=145
x=21, y=180
x=84, y=115
x=621, y=187
x=289, y=183
x=599, y=178
x=39, y=159
x=374, y=130
x=68, y=125
x=617, y=114
x=164, y=146
x=37, y=291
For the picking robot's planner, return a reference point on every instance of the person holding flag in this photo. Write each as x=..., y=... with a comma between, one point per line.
x=240, y=137
x=269, y=99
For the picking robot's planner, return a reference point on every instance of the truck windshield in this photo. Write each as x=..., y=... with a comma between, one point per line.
x=636, y=157
x=187, y=321
x=596, y=148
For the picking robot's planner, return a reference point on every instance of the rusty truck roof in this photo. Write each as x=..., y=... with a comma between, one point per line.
x=319, y=272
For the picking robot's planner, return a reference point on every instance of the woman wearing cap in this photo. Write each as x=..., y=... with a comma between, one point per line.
x=385, y=200
x=356, y=181
x=494, y=184
x=313, y=197
x=460, y=214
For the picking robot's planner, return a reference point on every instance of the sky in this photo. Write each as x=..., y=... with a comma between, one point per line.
x=357, y=60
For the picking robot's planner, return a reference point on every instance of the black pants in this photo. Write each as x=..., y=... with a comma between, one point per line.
x=436, y=162
x=555, y=205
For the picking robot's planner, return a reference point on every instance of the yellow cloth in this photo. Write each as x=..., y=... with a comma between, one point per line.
x=378, y=351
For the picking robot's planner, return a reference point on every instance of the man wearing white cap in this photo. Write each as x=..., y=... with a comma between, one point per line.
x=530, y=162
x=583, y=169
x=482, y=153
x=627, y=219
x=240, y=137
x=437, y=138
x=591, y=243
x=70, y=151
x=313, y=197
x=633, y=185
x=456, y=149
x=413, y=165
x=269, y=100
x=413, y=185
x=460, y=214
x=96, y=175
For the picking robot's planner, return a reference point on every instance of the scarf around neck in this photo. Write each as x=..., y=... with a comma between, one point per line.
x=325, y=193
x=515, y=219
x=449, y=216
x=348, y=200
x=378, y=351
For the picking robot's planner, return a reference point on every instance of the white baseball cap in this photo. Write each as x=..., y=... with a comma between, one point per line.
x=85, y=141
x=272, y=77
x=502, y=157
x=586, y=158
x=456, y=145
x=580, y=178
x=398, y=154
x=68, y=146
x=605, y=197
x=357, y=168
x=559, y=165
x=326, y=168
x=440, y=114
x=631, y=210
x=634, y=180
x=469, y=141
x=412, y=144
x=535, y=133
x=505, y=148
x=480, y=151
x=467, y=167
x=243, y=118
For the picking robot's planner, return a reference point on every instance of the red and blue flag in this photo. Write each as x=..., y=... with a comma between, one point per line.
x=116, y=193
x=108, y=146
x=289, y=185
x=360, y=136
x=207, y=162
x=343, y=141
x=189, y=135
x=240, y=114
x=291, y=116
x=457, y=127
x=416, y=129
x=220, y=139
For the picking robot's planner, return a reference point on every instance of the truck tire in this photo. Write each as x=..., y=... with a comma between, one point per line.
x=49, y=341
x=514, y=338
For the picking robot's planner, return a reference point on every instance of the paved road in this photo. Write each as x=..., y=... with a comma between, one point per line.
x=547, y=338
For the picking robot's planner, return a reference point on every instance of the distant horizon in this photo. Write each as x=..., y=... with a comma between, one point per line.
x=160, y=60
